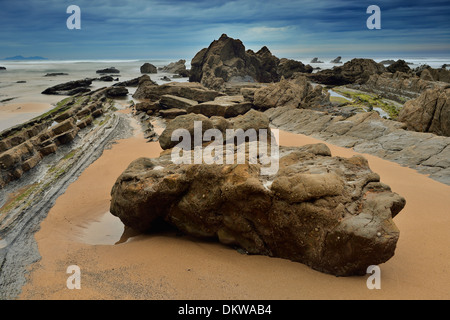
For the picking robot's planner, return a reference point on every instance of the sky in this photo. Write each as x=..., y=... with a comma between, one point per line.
x=165, y=29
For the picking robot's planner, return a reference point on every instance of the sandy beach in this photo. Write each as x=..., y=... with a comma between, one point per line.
x=12, y=114
x=79, y=230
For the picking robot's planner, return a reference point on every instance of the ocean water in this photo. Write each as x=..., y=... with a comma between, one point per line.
x=33, y=73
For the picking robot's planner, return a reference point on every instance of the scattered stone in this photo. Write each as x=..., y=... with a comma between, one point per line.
x=106, y=79
x=172, y=113
x=55, y=74
x=114, y=92
x=134, y=82
x=337, y=60
x=316, y=60
x=108, y=70
x=70, y=88
x=173, y=102
x=148, y=68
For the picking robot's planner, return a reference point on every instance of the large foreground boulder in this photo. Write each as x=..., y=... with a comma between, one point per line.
x=430, y=112
x=330, y=213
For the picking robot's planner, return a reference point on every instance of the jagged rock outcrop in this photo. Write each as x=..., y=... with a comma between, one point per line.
x=70, y=88
x=337, y=60
x=400, y=66
x=428, y=113
x=288, y=67
x=226, y=60
x=148, y=68
x=178, y=67
x=332, y=214
x=297, y=93
x=2, y=68
x=354, y=71
x=431, y=74
x=316, y=60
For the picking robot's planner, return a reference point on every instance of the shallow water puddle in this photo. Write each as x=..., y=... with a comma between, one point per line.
x=107, y=230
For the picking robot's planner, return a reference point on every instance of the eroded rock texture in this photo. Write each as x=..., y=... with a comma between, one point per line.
x=332, y=214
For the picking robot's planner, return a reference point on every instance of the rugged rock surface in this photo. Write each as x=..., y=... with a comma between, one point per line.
x=250, y=120
x=298, y=93
x=70, y=88
x=2, y=68
x=354, y=71
x=178, y=67
x=397, y=86
x=332, y=214
x=193, y=91
x=173, y=102
x=287, y=68
x=114, y=92
x=183, y=122
x=226, y=60
x=368, y=133
x=428, y=113
x=108, y=70
x=148, y=68
x=400, y=66
x=432, y=74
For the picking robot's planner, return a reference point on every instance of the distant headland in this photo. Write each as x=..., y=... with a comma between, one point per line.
x=25, y=58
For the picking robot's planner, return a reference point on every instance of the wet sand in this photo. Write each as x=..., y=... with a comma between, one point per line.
x=12, y=114
x=163, y=266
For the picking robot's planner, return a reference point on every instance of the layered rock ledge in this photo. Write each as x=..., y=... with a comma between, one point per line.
x=368, y=133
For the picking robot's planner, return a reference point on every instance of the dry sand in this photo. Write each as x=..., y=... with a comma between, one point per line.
x=164, y=266
x=12, y=114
